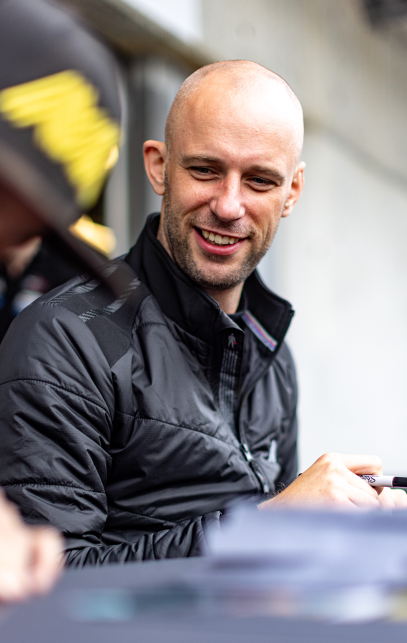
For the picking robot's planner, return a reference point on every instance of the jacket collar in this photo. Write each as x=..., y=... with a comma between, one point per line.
x=188, y=305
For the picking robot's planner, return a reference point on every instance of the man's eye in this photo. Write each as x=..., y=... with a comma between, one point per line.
x=202, y=170
x=259, y=182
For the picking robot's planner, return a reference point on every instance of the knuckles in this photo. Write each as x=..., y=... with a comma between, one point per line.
x=329, y=465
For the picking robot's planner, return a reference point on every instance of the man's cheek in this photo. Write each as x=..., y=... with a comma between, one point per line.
x=195, y=196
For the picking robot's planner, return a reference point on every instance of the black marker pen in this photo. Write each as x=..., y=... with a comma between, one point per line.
x=386, y=481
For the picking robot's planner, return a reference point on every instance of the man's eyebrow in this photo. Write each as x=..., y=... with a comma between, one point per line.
x=199, y=159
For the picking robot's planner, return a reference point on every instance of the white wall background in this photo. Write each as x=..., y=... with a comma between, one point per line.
x=341, y=258
x=181, y=17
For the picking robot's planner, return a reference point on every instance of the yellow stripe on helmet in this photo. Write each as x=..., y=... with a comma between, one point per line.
x=69, y=127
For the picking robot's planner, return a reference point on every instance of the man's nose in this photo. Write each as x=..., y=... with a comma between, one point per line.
x=227, y=203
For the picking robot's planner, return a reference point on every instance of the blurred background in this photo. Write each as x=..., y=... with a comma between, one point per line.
x=341, y=257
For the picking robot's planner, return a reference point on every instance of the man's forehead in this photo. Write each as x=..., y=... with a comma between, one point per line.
x=261, y=122
x=221, y=96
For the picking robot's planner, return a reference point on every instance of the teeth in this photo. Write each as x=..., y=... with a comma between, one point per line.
x=218, y=239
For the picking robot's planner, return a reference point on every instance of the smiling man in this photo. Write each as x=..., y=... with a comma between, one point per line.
x=131, y=424
x=228, y=171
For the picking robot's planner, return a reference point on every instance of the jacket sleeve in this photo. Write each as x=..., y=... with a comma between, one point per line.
x=56, y=410
x=185, y=539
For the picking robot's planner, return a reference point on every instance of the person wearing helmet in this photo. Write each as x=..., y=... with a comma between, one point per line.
x=59, y=137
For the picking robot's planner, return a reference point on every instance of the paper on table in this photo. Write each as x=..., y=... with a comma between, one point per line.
x=313, y=547
x=339, y=566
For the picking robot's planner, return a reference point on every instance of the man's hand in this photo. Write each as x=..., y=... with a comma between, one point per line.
x=333, y=481
x=392, y=498
x=30, y=557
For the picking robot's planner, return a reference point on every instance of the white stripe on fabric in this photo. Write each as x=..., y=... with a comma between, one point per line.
x=273, y=452
x=113, y=307
x=260, y=332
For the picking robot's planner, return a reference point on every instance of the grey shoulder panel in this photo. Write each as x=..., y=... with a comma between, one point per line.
x=109, y=318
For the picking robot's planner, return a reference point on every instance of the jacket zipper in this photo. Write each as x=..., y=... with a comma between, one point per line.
x=255, y=467
x=244, y=447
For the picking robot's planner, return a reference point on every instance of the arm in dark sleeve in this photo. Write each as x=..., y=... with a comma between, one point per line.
x=186, y=538
x=56, y=407
x=288, y=451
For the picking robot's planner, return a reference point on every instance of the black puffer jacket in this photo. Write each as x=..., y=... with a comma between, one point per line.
x=130, y=424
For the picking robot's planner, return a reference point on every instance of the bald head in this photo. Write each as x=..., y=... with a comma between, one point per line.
x=242, y=82
x=228, y=172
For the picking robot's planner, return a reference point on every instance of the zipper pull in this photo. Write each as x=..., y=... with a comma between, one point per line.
x=257, y=471
x=246, y=452
x=260, y=475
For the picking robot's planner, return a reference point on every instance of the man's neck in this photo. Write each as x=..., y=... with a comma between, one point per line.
x=228, y=300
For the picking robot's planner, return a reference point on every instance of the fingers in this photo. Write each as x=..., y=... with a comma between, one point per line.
x=332, y=481
x=29, y=556
x=392, y=499
x=15, y=578
x=9, y=515
x=14, y=585
x=360, y=484
x=399, y=498
x=46, y=558
x=363, y=500
x=347, y=488
x=343, y=482
x=359, y=464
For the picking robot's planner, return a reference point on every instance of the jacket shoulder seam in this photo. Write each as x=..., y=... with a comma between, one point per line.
x=151, y=323
x=62, y=388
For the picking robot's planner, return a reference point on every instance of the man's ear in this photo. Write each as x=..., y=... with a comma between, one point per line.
x=297, y=186
x=155, y=156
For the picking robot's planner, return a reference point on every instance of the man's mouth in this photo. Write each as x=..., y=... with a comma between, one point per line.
x=217, y=239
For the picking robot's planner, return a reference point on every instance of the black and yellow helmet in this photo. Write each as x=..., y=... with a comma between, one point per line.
x=59, y=111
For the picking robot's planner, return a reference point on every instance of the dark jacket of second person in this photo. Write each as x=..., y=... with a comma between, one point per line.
x=46, y=271
x=130, y=424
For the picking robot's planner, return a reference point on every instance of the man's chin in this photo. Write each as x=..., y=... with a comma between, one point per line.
x=214, y=272
x=214, y=280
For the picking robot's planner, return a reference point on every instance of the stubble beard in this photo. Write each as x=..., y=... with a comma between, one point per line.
x=183, y=257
